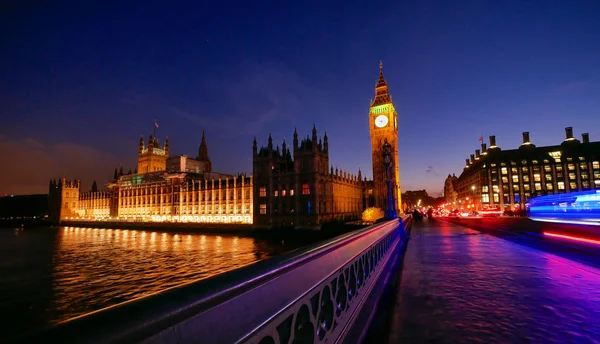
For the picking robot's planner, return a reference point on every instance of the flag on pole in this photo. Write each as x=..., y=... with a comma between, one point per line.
x=155, y=123
x=480, y=138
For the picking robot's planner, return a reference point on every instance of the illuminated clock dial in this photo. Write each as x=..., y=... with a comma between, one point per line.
x=381, y=121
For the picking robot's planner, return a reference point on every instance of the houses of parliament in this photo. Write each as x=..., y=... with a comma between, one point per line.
x=290, y=186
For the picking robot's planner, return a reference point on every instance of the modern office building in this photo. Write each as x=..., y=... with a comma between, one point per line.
x=506, y=179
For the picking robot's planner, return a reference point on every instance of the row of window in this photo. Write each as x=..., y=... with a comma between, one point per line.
x=192, y=211
x=283, y=192
x=583, y=167
x=290, y=192
x=195, y=197
x=322, y=208
x=153, y=191
x=539, y=178
x=557, y=160
x=548, y=177
x=92, y=204
x=514, y=196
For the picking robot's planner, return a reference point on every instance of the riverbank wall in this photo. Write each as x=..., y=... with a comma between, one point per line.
x=297, y=236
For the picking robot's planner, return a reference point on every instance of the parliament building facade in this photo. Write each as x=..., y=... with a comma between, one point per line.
x=298, y=188
x=165, y=188
x=290, y=186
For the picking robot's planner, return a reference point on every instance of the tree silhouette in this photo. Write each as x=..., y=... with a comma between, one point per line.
x=121, y=171
x=115, y=176
x=135, y=171
x=129, y=171
x=94, y=187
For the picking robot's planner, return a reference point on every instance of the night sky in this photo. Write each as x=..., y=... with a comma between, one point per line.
x=80, y=83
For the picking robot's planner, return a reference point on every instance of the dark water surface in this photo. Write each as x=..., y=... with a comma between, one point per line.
x=48, y=275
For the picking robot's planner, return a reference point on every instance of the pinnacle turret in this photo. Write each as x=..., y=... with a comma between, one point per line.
x=203, y=149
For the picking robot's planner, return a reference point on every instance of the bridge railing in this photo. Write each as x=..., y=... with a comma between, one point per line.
x=327, y=292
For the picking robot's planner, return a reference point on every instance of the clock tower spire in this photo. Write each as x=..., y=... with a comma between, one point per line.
x=382, y=96
x=383, y=124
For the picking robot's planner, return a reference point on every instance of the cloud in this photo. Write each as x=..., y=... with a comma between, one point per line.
x=431, y=170
x=255, y=95
x=574, y=86
x=29, y=164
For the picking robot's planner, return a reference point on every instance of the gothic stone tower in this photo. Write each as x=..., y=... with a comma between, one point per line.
x=203, y=154
x=63, y=199
x=383, y=125
x=153, y=157
x=292, y=188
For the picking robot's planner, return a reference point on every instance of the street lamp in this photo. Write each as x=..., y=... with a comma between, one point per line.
x=473, y=193
x=387, y=162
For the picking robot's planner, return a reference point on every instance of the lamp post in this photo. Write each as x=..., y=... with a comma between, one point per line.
x=387, y=162
x=473, y=194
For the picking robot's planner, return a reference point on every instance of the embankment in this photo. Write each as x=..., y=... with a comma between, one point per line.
x=295, y=236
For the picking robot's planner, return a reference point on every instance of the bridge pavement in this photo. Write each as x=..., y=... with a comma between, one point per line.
x=463, y=286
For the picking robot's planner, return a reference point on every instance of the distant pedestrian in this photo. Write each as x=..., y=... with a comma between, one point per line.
x=417, y=216
x=430, y=214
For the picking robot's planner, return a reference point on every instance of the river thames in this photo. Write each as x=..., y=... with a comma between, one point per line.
x=53, y=274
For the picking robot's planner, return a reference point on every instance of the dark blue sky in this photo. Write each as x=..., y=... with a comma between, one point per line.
x=81, y=83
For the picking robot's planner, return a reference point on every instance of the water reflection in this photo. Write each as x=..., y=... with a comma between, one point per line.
x=50, y=275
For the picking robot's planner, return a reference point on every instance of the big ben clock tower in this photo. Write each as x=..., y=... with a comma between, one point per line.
x=383, y=125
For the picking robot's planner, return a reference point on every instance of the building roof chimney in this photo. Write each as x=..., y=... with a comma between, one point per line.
x=467, y=162
x=526, y=141
x=569, y=133
x=585, y=138
x=477, y=153
x=493, y=141
x=472, y=158
x=484, y=149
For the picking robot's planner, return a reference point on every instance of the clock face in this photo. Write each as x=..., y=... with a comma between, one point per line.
x=381, y=121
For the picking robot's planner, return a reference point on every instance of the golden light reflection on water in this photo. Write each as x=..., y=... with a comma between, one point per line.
x=95, y=268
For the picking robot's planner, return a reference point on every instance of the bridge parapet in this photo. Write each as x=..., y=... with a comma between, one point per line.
x=327, y=292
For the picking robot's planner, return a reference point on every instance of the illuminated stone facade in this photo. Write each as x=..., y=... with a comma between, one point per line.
x=508, y=178
x=184, y=197
x=383, y=125
x=299, y=189
x=153, y=157
x=450, y=187
x=176, y=195
x=94, y=204
x=63, y=199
